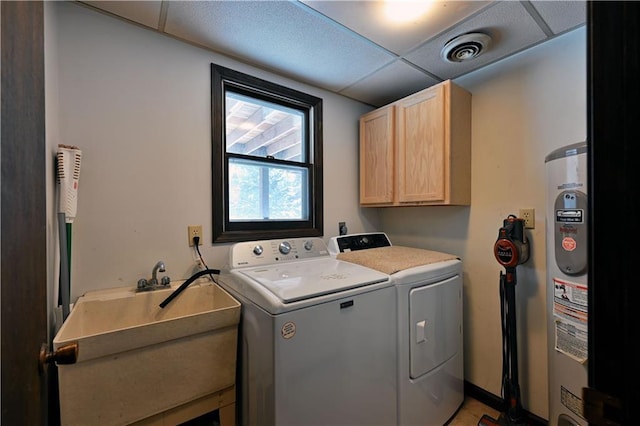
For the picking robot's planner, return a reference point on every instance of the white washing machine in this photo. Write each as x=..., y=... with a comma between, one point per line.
x=317, y=342
x=430, y=370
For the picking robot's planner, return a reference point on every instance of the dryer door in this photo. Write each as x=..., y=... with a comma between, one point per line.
x=435, y=313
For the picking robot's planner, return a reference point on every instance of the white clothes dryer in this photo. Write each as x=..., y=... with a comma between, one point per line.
x=317, y=336
x=430, y=370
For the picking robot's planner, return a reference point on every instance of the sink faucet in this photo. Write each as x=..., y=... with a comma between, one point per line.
x=154, y=273
x=152, y=284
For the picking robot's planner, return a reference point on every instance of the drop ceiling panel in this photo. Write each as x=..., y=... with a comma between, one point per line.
x=344, y=46
x=389, y=84
x=282, y=36
x=143, y=12
x=508, y=23
x=368, y=19
x=562, y=16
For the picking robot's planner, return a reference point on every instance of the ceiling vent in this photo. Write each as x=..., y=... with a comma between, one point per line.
x=465, y=47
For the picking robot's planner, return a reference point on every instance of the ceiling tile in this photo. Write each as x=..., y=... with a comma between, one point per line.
x=344, y=46
x=510, y=26
x=282, y=36
x=562, y=16
x=389, y=84
x=143, y=12
x=368, y=19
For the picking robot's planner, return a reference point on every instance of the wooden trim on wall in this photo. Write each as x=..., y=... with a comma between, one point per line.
x=23, y=217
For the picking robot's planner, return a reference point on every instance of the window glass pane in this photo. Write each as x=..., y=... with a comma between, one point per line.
x=260, y=191
x=263, y=129
x=266, y=160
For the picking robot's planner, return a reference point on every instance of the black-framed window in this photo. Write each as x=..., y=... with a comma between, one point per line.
x=267, y=159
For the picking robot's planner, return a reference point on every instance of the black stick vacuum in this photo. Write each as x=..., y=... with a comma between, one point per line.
x=510, y=250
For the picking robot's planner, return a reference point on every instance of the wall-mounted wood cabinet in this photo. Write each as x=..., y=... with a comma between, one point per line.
x=417, y=150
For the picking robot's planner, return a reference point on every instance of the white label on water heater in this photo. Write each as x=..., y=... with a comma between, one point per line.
x=570, y=216
x=571, y=316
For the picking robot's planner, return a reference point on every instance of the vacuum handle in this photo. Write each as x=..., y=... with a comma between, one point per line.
x=511, y=248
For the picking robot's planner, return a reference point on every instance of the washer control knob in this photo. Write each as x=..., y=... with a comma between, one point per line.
x=308, y=245
x=364, y=240
x=284, y=247
x=257, y=250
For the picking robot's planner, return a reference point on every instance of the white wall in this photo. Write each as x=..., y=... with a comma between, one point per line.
x=523, y=108
x=137, y=103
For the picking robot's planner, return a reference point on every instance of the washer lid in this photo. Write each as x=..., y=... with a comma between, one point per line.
x=301, y=280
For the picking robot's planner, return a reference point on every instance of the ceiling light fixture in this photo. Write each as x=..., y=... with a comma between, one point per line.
x=405, y=10
x=465, y=47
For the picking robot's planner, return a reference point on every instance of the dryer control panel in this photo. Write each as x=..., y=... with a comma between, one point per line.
x=352, y=242
x=269, y=252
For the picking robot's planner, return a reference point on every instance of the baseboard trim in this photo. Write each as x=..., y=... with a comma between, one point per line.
x=497, y=403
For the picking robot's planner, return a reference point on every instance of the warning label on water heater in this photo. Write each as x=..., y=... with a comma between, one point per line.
x=571, y=401
x=570, y=314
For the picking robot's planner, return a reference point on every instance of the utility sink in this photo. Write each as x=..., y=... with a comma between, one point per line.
x=136, y=360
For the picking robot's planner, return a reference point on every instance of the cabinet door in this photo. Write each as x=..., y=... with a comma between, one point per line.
x=376, y=156
x=422, y=148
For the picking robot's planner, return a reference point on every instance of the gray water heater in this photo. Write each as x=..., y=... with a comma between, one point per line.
x=567, y=310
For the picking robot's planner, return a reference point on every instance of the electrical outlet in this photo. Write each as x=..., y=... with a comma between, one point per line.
x=342, y=228
x=195, y=231
x=529, y=216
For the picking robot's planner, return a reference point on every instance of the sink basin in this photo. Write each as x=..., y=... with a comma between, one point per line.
x=136, y=360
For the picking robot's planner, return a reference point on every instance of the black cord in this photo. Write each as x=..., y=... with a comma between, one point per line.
x=196, y=243
x=503, y=329
x=185, y=284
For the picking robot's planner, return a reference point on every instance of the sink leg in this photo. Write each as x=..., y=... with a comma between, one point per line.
x=228, y=415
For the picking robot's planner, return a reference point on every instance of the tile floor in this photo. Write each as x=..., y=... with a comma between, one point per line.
x=471, y=412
